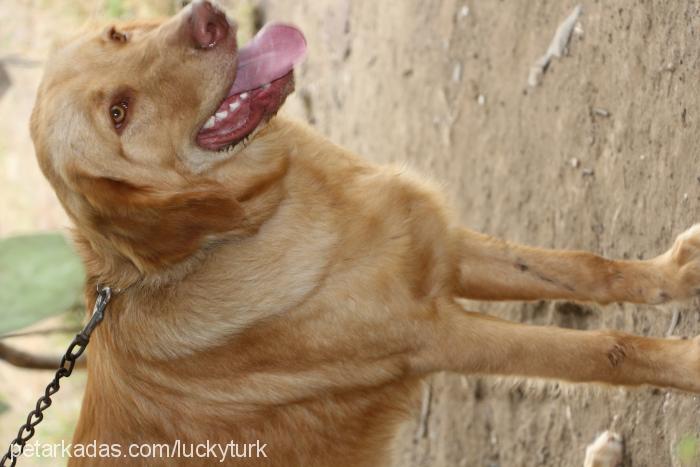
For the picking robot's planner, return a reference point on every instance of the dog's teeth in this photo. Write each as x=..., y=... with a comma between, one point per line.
x=233, y=107
x=221, y=115
x=244, y=96
x=210, y=123
x=265, y=86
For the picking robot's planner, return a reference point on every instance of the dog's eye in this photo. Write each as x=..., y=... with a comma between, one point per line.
x=118, y=113
x=117, y=36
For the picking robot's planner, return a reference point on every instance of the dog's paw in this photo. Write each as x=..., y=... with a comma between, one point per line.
x=684, y=261
x=606, y=451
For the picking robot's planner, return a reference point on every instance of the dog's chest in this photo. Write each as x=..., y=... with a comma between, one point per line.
x=242, y=284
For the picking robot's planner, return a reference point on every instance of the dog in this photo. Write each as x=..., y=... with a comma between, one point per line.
x=273, y=287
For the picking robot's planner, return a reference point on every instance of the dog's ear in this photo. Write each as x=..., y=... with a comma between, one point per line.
x=156, y=228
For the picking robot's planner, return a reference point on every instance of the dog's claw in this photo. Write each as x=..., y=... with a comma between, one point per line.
x=684, y=259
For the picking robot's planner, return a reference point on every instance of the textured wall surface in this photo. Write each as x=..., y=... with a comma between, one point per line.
x=602, y=156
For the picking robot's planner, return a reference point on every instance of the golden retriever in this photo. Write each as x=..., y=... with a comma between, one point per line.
x=275, y=288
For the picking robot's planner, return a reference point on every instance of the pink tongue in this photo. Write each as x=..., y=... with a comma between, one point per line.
x=271, y=54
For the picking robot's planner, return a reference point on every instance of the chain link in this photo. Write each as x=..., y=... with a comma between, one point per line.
x=65, y=369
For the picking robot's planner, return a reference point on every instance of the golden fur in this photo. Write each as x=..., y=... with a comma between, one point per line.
x=287, y=290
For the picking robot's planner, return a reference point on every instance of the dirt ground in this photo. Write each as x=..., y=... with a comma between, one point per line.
x=601, y=156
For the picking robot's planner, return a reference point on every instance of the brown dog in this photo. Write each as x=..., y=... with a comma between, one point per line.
x=275, y=287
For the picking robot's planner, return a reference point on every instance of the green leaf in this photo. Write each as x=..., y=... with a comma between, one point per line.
x=115, y=8
x=4, y=406
x=687, y=449
x=40, y=276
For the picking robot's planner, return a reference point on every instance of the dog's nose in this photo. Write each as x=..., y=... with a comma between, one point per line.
x=208, y=24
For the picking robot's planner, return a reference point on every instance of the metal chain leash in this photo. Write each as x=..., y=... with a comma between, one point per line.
x=65, y=369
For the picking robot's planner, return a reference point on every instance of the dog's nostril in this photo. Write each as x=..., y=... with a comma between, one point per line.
x=209, y=25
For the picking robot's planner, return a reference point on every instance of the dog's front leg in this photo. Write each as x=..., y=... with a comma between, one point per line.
x=474, y=343
x=492, y=269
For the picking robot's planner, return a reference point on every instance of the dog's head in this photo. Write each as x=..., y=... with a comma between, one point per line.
x=129, y=120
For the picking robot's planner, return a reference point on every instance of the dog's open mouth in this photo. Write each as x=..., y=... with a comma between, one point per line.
x=264, y=78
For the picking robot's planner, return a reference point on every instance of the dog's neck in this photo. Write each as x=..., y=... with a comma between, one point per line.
x=253, y=264
x=254, y=177
x=237, y=279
